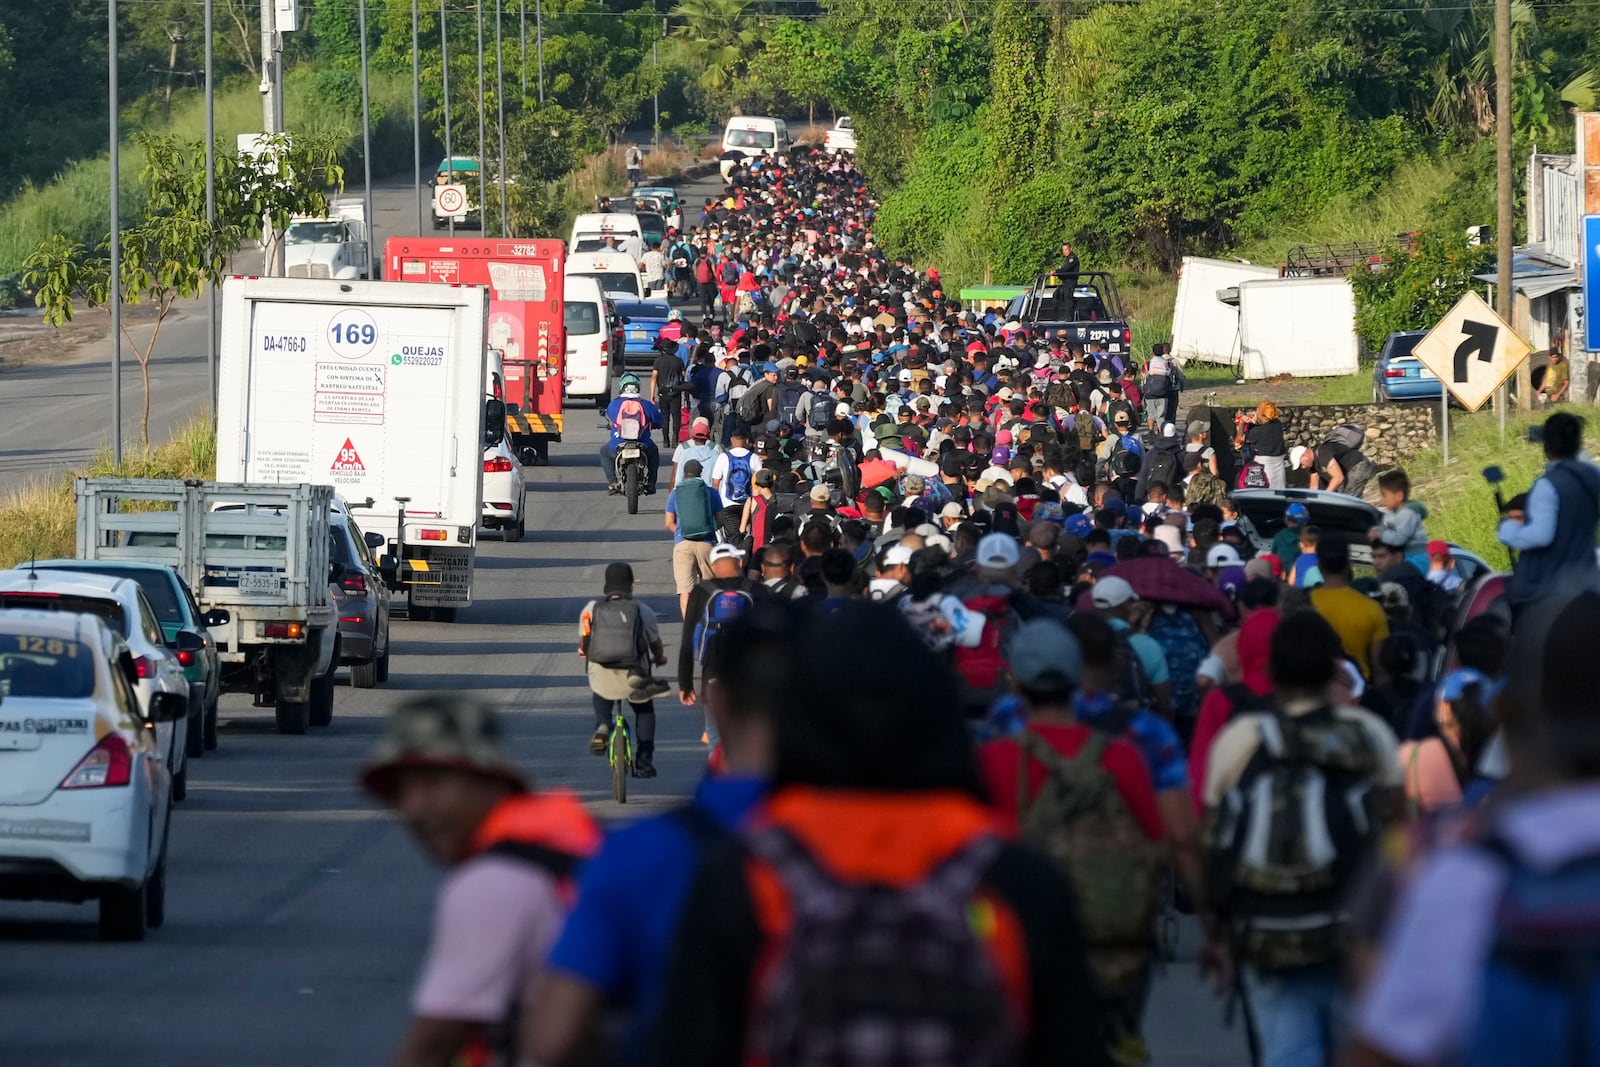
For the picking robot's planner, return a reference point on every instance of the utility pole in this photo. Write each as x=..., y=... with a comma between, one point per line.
x=538, y=29
x=175, y=36
x=483, y=155
x=211, y=218
x=366, y=136
x=444, y=68
x=116, y=240
x=500, y=102
x=416, y=114
x=522, y=34
x=269, y=114
x=1504, y=225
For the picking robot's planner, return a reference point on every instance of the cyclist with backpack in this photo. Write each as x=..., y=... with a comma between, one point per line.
x=631, y=417
x=870, y=907
x=619, y=639
x=1083, y=797
x=1297, y=797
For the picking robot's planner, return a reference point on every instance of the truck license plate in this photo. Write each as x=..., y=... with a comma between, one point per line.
x=259, y=583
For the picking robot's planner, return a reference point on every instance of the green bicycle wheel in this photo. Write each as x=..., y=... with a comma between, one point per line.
x=621, y=760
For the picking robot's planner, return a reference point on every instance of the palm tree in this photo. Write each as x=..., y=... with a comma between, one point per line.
x=717, y=37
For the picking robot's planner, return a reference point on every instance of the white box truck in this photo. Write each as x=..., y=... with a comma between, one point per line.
x=1305, y=327
x=334, y=245
x=375, y=388
x=1204, y=326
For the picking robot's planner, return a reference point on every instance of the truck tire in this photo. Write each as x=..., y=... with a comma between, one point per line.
x=194, y=737
x=294, y=716
x=444, y=614
x=320, y=708
x=419, y=613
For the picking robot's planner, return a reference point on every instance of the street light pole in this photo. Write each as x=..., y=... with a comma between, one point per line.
x=366, y=135
x=211, y=219
x=538, y=29
x=522, y=53
x=444, y=67
x=500, y=102
x=483, y=154
x=416, y=116
x=116, y=241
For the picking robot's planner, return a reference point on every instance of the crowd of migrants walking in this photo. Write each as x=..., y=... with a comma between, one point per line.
x=996, y=683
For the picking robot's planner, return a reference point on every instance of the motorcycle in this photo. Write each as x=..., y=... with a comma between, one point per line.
x=632, y=463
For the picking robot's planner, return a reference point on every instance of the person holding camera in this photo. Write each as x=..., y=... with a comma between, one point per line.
x=1556, y=534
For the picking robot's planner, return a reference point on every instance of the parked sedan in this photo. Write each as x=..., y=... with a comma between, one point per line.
x=84, y=793
x=173, y=602
x=122, y=604
x=1398, y=375
x=504, y=492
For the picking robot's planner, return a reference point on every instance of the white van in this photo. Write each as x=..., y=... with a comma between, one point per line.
x=590, y=322
x=589, y=232
x=617, y=274
x=756, y=135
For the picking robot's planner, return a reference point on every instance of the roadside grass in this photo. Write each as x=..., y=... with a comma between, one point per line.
x=39, y=521
x=1460, y=503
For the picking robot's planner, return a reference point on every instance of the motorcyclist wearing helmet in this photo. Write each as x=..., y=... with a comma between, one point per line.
x=631, y=404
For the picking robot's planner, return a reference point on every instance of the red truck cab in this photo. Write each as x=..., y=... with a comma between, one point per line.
x=526, y=319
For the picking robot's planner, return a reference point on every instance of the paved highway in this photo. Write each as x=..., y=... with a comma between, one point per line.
x=297, y=912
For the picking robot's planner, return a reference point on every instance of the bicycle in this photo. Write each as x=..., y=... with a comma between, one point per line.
x=620, y=755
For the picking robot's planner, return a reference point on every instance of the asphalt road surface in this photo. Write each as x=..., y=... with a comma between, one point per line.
x=298, y=912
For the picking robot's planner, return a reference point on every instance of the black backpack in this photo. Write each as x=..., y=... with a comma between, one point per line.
x=615, y=633
x=821, y=411
x=789, y=395
x=1163, y=468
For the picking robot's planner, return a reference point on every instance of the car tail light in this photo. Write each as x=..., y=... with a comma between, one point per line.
x=605, y=346
x=433, y=535
x=186, y=658
x=354, y=583
x=109, y=763
x=1127, y=337
x=1393, y=372
x=279, y=629
x=497, y=465
x=145, y=666
x=352, y=618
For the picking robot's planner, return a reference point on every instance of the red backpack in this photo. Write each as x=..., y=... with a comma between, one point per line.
x=983, y=666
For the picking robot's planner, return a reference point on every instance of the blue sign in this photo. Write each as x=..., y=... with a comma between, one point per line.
x=1591, y=282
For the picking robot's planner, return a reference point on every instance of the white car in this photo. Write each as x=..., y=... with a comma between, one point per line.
x=85, y=797
x=842, y=138
x=122, y=604
x=504, y=491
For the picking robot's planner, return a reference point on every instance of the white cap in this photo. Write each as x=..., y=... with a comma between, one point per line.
x=998, y=551
x=725, y=551
x=897, y=556
x=1171, y=537
x=1113, y=592
x=951, y=510
x=1296, y=453
x=1223, y=556
x=842, y=410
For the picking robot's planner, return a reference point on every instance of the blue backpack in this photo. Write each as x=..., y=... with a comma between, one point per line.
x=725, y=606
x=1541, y=983
x=739, y=477
x=1185, y=646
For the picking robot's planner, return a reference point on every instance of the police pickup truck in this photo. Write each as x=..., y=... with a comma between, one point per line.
x=1080, y=309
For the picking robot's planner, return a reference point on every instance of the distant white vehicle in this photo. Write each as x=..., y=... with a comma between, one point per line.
x=842, y=138
x=335, y=245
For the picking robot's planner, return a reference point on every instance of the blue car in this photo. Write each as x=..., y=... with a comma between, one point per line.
x=643, y=320
x=1398, y=375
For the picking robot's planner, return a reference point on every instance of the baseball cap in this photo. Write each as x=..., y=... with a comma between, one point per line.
x=1198, y=427
x=1043, y=653
x=725, y=551
x=449, y=731
x=769, y=367
x=700, y=428
x=1296, y=454
x=998, y=551
x=1297, y=513
x=1113, y=592
x=819, y=494
x=951, y=510
x=1121, y=418
x=897, y=556
x=1223, y=556
x=619, y=578
x=1438, y=548
x=1393, y=595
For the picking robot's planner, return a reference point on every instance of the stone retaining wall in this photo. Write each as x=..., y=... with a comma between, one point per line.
x=1395, y=432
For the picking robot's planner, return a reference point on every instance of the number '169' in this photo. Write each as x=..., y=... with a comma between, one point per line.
x=353, y=333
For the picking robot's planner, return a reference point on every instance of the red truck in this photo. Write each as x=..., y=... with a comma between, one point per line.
x=526, y=323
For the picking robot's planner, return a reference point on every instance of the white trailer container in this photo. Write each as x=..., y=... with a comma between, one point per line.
x=375, y=388
x=1305, y=327
x=258, y=554
x=1204, y=327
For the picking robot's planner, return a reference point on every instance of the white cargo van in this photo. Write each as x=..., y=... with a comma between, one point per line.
x=756, y=135
x=617, y=274
x=588, y=316
x=589, y=232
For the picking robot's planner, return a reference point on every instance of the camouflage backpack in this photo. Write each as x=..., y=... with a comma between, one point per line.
x=1205, y=488
x=1079, y=819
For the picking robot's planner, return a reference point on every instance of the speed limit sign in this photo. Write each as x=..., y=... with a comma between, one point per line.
x=451, y=199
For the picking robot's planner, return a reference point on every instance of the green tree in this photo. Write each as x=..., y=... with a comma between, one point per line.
x=1414, y=290
x=718, y=38
x=174, y=253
